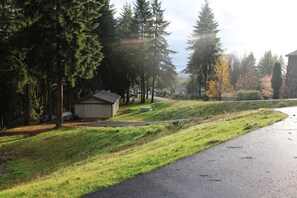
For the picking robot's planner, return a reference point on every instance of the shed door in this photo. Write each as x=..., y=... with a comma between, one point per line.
x=97, y=111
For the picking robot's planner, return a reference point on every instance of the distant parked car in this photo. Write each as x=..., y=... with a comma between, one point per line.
x=67, y=116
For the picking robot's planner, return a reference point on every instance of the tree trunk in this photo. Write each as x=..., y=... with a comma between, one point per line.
x=27, y=106
x=136, y=91
x=59, y=70
x=199, y=88
x=128, y=94
x=142, y=85
x=68, y=99
x=147, y=89
x=59, y=100
x=206, y=86
x=71, y=98
x=205, y=82
x=153, y=89
x=1, y=122
x=44, y=97
x=49, y=101
x=128, y=86
x=43, y=112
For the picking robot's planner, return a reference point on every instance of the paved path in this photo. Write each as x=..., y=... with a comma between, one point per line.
x=262, y=164
x=161, y=98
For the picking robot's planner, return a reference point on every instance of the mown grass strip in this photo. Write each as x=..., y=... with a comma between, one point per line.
x=172, y=110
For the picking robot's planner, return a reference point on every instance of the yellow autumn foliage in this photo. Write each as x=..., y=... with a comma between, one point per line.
x=221, y=83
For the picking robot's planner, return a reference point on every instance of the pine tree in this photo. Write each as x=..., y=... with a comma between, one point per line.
x=142, y=31
x=12, y=64
x=276, y=81
x=12, y=69
x=127, y=68
x=125, y=22
x=205, y=47
x=108, y=37
x=65, y=46
x=247, y=65
x=160, y=60
x=266, y=63
x=142, y=20
x=234, y=65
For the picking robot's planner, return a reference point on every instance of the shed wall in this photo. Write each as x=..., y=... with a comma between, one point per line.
x=115, y=107
x=93, y=110
x=292, y=77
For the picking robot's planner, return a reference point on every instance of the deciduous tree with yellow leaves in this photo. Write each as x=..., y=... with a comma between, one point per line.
x=221, y=83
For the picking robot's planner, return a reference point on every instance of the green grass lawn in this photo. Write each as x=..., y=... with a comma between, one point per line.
x=70, y=162
x=171, y=110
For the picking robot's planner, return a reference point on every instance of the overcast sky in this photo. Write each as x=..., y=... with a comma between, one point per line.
x=245, y=25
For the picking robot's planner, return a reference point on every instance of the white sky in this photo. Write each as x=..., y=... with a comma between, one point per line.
x=245, y=25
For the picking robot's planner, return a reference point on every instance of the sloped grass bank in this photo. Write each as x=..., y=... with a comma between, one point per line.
x=108, y=156
x=33, y=157
x=171, y=110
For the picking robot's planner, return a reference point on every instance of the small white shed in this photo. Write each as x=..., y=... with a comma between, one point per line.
x=103, y=104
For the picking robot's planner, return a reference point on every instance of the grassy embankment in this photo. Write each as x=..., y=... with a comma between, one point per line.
x=74, y=161
x=171, y=110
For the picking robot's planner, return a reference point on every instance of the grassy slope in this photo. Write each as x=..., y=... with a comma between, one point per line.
x=107, y=168
x=97, y=157
x=44, y=153
x=171, y=110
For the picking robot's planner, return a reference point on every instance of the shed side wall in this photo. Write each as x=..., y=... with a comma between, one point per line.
x=93, y=110
x=292, y=77
x=115, y=107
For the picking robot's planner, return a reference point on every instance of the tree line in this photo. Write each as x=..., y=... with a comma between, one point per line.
x=55, y=51
x=213, y=73
x=246, y=74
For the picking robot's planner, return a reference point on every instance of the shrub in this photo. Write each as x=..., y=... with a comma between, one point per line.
x=249, y=95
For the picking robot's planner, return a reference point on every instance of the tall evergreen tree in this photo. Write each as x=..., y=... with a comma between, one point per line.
x=266, y=63
x=125, y=22
x=142, y=31
x=205, y=47
x=160, y=60
x=276, y=81
x=12, y=66
x=248, y=76
x=247, y=65
x=65, y=47
x=126, y=50
x=142, y=19
x=234, y=65
x=108, y=38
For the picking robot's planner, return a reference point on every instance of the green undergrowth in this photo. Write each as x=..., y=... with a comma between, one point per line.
x=171, y=110
x=73, y=162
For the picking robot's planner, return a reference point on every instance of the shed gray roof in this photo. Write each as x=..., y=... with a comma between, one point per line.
x=292, y=54
x=107, y=96
x=102, y=95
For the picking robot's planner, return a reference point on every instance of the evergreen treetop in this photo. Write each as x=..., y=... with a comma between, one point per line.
x=205, y=47
x=276, y=81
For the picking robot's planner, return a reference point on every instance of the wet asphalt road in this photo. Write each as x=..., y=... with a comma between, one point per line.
x=262, y=164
